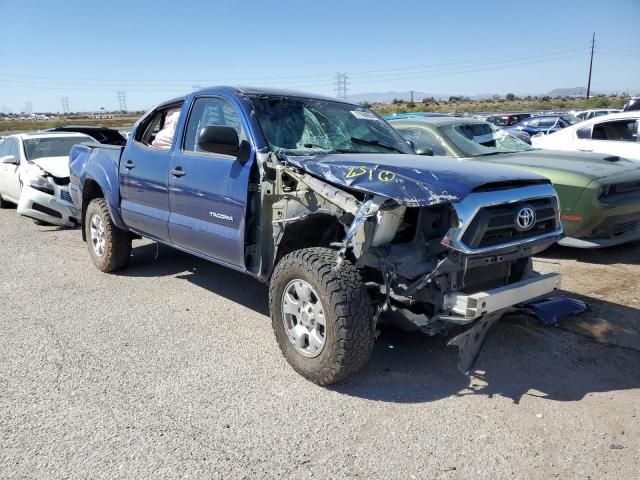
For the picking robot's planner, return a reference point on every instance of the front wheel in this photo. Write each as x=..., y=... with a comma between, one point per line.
x=109, y=247
x=321, y=317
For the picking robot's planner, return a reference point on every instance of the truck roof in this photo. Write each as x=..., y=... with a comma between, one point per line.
x=255, y=91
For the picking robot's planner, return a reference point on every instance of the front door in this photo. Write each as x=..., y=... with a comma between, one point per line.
x=11, y=186
x=144, y=171
x=208, y=191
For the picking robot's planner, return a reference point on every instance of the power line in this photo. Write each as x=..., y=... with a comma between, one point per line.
x=189, y=82
x=122, y=99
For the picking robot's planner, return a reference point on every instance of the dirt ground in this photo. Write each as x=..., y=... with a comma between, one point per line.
x=609, y=281
x=169, y=369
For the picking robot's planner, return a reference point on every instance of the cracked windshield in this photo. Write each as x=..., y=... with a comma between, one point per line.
x=483, y=139
x=305, y=126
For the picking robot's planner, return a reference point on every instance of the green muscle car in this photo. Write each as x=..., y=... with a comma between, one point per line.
x=599, y=194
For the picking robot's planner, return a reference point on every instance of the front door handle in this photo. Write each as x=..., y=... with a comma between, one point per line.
x=129, y=165
x=178, y=172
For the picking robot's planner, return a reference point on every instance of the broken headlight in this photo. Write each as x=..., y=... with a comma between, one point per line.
x=40, y=181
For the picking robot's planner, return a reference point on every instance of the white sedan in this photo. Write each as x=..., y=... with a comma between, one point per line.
x=34, y=174
x=615, y=134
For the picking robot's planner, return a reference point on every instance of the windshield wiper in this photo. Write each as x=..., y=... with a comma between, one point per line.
x=375, y=143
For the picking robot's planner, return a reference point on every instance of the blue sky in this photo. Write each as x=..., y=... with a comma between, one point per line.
x=154, y=50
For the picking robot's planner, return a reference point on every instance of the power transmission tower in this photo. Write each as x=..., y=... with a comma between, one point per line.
x=28, y=108
x=122, y=99
x=341, y=85
x=593, y=43
x=65, y=104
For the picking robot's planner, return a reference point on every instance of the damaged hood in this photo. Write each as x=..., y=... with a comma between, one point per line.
x=56, y=166
x=410, y=180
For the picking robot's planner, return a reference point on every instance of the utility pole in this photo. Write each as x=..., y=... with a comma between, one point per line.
x=122, y=100
x=65, y=104
x=411, y=104
x=341, y=85
x=593, y=43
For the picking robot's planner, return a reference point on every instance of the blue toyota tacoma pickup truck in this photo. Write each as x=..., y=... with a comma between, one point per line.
x=327, y=203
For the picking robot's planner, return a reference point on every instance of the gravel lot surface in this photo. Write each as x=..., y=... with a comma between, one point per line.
x=170, y=370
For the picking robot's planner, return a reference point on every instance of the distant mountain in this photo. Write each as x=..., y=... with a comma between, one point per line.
x=388, y=97
x=569, y=92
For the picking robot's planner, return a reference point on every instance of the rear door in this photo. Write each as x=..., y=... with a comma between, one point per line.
x=208, y=191
x=143, y=175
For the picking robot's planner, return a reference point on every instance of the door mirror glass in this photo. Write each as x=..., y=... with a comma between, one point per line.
x=425, y=151
x=219, y=139
x=9, y=159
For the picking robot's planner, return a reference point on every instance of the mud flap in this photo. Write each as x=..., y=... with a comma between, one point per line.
x=470, y=342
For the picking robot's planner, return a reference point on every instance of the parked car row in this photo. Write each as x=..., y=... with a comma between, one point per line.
x=353, y=221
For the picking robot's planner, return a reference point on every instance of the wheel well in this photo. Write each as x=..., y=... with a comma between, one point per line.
x=317, y=230
x=90, y=190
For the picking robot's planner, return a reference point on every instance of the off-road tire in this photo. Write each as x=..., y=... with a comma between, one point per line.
x=350, y=332
x=117, y=242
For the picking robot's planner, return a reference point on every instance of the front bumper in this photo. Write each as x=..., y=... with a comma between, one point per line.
x=600, y=242
x=470, y=307
x=55, y=209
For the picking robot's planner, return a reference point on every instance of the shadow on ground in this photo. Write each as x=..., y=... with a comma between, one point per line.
x=628, y=253
x=157, y=260
x=520, y=357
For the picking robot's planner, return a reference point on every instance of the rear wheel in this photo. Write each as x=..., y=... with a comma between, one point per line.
x=109, y=247
x=321, y=318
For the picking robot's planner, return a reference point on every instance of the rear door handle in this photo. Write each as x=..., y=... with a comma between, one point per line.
x=129, y=165
x=178, y=172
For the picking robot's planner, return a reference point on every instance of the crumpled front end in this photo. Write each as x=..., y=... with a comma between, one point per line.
x=46, y=198
x=438, y=261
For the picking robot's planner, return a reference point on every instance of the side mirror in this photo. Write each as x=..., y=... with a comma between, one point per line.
x=427, y=151
x=9, y=159
x=219, y=139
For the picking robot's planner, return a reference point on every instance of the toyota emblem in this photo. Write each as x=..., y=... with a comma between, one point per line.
x=526, y=218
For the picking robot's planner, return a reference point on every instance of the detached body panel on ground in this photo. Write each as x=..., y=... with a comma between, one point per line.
x=327, y=203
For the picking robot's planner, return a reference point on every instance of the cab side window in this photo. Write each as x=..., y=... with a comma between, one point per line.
x=210, y=111
x=10, y=147
x=159, y=129
x=619, y=130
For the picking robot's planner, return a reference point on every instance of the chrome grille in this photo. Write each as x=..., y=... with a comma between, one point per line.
x=496, y=224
